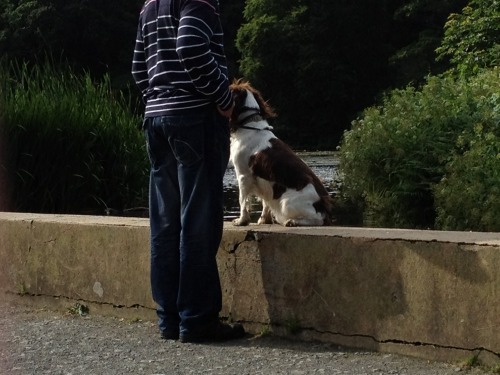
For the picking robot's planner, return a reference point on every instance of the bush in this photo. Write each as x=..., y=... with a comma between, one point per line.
x=468, y=196
x=72, y=145
x=396, y=154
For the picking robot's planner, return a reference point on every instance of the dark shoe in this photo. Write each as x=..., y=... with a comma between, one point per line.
x=221, y=332
x=169, y=335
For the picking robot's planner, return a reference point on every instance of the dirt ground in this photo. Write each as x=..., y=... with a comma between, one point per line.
x=34, y=341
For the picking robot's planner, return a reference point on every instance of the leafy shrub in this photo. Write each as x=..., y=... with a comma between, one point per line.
x=395, y=154
x=468, y=196
x=72, y=145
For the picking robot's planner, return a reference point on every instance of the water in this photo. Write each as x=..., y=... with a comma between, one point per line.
x=324, y=164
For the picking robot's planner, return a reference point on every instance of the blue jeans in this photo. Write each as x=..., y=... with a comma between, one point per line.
x=189, y=155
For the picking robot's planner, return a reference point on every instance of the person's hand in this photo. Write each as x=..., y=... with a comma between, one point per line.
x=228, y=112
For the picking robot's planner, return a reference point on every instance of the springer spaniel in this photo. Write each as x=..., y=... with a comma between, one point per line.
x=291, y=194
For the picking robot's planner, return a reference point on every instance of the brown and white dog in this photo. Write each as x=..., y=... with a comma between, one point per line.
x=266, y=167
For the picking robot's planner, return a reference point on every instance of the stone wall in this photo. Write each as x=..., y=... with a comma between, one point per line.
x=424, y=293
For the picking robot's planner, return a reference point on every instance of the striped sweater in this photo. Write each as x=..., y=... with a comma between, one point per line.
x=179, y=62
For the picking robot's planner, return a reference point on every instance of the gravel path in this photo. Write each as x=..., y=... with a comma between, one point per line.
x=44, y=342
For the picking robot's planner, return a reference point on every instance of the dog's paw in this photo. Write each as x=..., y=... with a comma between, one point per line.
x=239, y=222
x=291, y=223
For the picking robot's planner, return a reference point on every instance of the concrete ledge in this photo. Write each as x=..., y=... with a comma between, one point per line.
x=425, y=293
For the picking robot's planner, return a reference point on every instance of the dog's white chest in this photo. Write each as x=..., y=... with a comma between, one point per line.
x=245, y=143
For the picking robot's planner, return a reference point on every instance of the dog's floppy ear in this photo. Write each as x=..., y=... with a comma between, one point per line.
x=239, y=97
x=266, y=110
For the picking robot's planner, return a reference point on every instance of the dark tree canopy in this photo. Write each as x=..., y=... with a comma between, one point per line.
x=95, y=35
x=318, y=62
x=322, y=62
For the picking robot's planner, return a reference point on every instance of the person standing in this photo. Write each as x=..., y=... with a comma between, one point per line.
x=180, y=67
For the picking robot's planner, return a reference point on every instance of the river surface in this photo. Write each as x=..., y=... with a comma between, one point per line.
x=324, y=164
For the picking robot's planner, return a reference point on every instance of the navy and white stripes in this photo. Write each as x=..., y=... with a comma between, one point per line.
x=179, y=62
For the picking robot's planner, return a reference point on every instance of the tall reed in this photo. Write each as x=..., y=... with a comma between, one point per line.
x=71, y=144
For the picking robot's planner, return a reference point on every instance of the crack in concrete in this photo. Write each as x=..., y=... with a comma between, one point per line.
x=417, y=241
x=374, y=339
x=251, y=236
x=403, y=342
x=134, y=306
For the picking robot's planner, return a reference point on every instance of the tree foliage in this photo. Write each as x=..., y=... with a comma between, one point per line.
x=320, y=63
x=417, y=32
x=312, y=60
x=472, y=38
x=429, y=157
x=231, y=18
x=94, y=35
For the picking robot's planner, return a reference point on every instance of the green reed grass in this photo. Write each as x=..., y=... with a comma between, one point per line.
x=71, y=143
